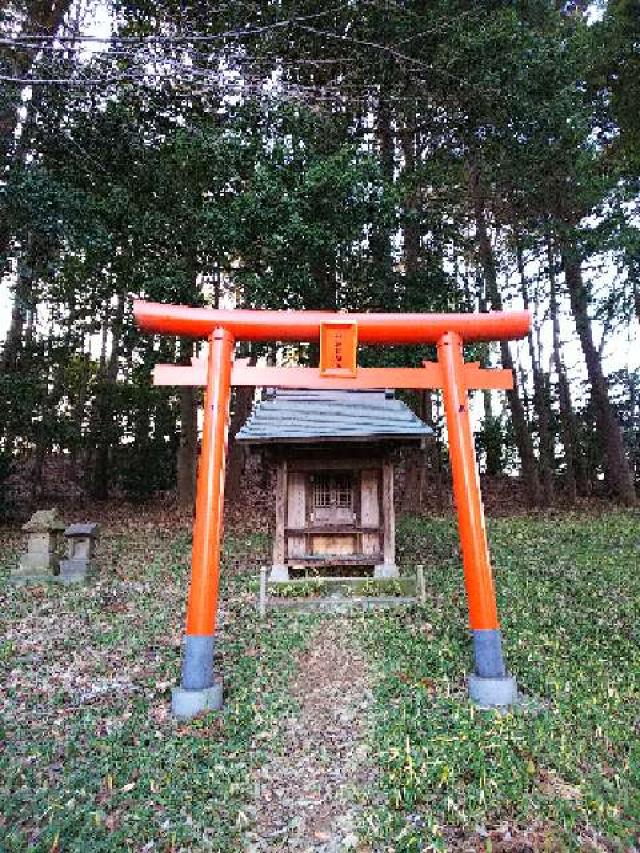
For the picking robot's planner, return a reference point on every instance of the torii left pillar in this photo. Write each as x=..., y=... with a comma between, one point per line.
x=201, y=688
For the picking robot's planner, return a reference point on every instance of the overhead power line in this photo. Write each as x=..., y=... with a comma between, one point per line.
x=241, y=32
x=139, y=50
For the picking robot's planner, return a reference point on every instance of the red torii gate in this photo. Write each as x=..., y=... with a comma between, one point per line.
x=339, y=335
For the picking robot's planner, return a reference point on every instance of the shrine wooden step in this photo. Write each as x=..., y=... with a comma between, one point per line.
x=311, y=585
x=339, y=604
x=319, y=579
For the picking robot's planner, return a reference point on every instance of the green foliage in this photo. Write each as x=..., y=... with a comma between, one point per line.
x=621, y=66
x=343, y=185
x=5, y=470
x=384, y=586
x=297, y=589
x=490, y=444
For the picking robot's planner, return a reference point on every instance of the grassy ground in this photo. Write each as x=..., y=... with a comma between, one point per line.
x=91, y=758
x=563, y=772
x=92, y=761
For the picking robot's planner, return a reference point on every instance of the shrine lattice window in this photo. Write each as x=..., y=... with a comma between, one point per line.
x=333, y=490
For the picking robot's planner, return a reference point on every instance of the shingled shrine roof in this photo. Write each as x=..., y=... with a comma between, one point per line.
x=316, y=416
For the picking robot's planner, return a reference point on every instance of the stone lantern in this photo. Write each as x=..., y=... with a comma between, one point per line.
x=81, y=540
x=41, y=560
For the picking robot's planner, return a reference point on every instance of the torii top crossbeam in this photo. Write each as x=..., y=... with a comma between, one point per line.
x=339, y=335
x=304, y=326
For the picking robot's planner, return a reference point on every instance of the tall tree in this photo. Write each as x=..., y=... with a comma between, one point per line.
x=520, y=426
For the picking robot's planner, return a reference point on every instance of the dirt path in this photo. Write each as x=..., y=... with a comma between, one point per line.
x=308, y=797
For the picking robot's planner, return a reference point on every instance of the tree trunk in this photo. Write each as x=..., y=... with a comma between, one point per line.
x=414, y=459
x=380, y=240
x=324, y=296
x=40, y=18
x=414, y=465
x=541, y=399
x=14, y=334
x=411, y=227
x=616, y=468
x=42, y=435
x=492, y=447
x=187, y=457
x=22, y=303
x=521, y=429
x=541, y=404
x=491, y=426
x=575, y=479
x=433, y=453
x=105, y=405
x=235, y=465
x=50, y=393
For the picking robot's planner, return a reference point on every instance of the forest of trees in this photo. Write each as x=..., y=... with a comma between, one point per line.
x=370, y=155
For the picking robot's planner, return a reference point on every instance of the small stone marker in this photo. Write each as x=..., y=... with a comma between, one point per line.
x=81, y=541
x=41, y=561
x=422, y=589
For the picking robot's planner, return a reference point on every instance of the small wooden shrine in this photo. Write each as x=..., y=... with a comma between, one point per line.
x=334, y=476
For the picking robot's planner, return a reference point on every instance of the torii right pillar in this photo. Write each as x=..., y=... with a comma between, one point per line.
x=489, y=685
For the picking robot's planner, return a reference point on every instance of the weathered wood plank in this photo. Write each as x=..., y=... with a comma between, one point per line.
x=296, y=511
x=342, y=463
x=330, y=528
x=370, y=510
x=388, y=515
x=279, y=548
x=338, y=560
x=331, y=546
x=369, y=497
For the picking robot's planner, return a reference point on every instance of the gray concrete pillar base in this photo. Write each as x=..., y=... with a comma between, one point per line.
x=188, y=703
x=279, y=573
x=386, y=570
x=197, y=661
x=493, y=692
x=487, y=653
